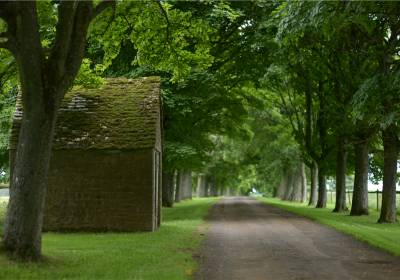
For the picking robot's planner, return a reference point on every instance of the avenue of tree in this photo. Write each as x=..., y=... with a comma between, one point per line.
x=256, y=95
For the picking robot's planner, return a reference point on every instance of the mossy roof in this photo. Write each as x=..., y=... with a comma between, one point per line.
x=121, y=114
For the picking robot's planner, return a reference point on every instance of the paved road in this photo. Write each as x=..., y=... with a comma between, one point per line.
x=250, y=240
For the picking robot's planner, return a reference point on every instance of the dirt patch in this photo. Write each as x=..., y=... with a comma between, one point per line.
x=248, y=239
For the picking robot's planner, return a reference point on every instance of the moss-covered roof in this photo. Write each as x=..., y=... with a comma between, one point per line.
x=121, y=114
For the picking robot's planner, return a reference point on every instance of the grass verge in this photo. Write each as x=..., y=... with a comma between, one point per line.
x=364, y=228
x=164, y=254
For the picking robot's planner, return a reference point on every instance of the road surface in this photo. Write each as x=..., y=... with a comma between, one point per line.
x=248, y=239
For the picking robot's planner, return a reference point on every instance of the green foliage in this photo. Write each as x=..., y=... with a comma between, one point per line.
x=88, y=77
x=8, y=93
x=165, y=38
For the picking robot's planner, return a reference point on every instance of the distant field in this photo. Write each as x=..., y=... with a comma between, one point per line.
x=164, y=254
x=365, y=228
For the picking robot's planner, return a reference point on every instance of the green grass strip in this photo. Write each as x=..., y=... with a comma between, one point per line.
x=364, y=228
x=164, y=254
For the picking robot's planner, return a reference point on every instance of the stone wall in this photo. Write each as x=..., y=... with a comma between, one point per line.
x=97, y=190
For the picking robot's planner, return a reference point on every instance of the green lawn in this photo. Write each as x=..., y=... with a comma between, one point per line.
x=365, y=228
x=164, y=254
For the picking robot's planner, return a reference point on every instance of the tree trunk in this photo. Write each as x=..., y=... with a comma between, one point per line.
x=390, y=144
x=297, y=185
x=22, y=231
x=314, y=184
x=303, y=183
x=321, y=203
x=167, y=190
x=280, y=192
x=359, y=205
x=288, y=187
x=178, y=188
x=213, y=191
x=201, y=186
x=341, y=168
x=291, y=187
x=44, y=81
x=207, y=187
x=186, y=184
x=189, y=185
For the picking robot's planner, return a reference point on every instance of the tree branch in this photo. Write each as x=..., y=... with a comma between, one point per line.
x=63, y=38
x=164, y=12
x=103, y=5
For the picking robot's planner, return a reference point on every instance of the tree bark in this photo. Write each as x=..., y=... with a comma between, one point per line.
x=341, y=169
x=44, y=81
x=359, y=204
x=280, y=192
x=186, y=184
x=297, y=185
x=314, y=184
x=201, y=186
x=207, y=187
x=291, y=187
x=178, y=188
x=321, y=203
x=390, y=152
x=303, y=183
x=22, y=231
x=189, y=185
x=167, y=190
x=213, y=190
x=288, y=187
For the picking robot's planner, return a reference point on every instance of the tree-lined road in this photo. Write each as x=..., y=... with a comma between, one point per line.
x=251, y=240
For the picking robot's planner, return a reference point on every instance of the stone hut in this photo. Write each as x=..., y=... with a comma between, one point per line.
x=105, y=169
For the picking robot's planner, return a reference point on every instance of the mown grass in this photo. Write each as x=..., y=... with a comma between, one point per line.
x=164, y=254
x=364, y=228
x=374, y=200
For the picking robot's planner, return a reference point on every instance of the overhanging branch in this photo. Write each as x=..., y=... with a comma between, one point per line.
x=103, y=5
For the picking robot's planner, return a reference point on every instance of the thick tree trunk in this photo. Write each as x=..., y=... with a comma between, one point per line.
x=288, y=187
x=44, y=81
x=341, y=169
x=280, y=191
x=22, y=233
x=213, y=191
x=297, y=185
x=359, y=205
x=207, y=187
x=167, y=190
x=303, y=183
x=23, y=226
x=292, y=185
x=321, y=203
x=186, y=184
x=314, y=185
x=201, y=186
x=391, y=150
x=178, y=187
x=189, y=185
